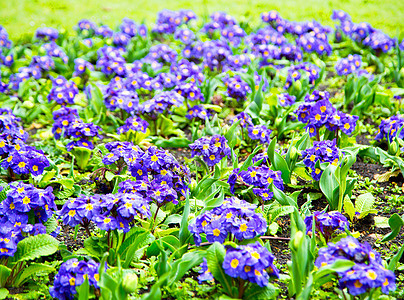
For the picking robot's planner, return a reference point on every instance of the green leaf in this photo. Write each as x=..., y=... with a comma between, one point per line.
x=173, y=142
x=3, y=293
x=82, y=156
x=94, y=246
x=36, y=246
x=395, y=222
x=32, y=269
x=349, y=208
x=364, y=204
x=215, y=256
x=109, y=175
x=4, y=273
x=329, y=186
x=141, y=241
x=393, y=262
x=184, y=234
x=51, y=225
x=340, y=265
x=83, y=290
x=185, y=263
x=248, y=161
x=260, y=293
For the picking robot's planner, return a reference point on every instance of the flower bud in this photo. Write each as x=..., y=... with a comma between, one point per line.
x=293, y=153
x=394, y=148
x=28, y=104
x=129, y=283
x=193, y=185
x=298, y=239
x=298, y=85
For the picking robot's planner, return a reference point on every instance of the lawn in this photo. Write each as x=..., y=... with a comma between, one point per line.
x=24, y=16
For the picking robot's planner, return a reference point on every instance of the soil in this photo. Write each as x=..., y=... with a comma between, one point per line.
x=66, y=237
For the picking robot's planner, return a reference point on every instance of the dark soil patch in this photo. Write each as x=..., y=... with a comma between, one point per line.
x=66, y=237
x=363, y=139
x=180, y=154
x=367, y=169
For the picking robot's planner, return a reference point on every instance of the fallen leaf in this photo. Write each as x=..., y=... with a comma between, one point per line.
x=386, y=176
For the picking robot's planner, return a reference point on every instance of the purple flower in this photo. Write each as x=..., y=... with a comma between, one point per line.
x=251, y=262
x=212, y=149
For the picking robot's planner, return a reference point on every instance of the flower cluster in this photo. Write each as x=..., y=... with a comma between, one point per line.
x=259, y=132
x=327, y=223
x=259, y=177
x=73, y=273
x=317, y=111
x=108, y=212
x=233, y=218
x=26, y=204
x=158, y=173
x=16, y=155
x=184, y=70
x=286, y=100
x=124, y=99
x=236, y=87
x=6, y=59
x=133, y=124
x=212, y=149
x=189, y=90
x=62, y=120
x=4, y=39
x=364, y=33
x=368, y=271
x=161, y=103
x=52, y=49
x=168, y=20
x=205, y=274
x=295, y=73
x=389, y=128
x=252, y=262
x=245, y=118
x=110, y=61
x=82, y=132
x=315, y=42
x=322, y=152
x=81, y=65
x=63, y=91
x=348, y=65
x=9, y=238
x=197, y=112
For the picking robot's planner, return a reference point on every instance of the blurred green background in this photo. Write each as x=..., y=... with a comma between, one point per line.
x=22, y=17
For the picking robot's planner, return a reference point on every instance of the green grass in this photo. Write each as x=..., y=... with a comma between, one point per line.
x=23, y=16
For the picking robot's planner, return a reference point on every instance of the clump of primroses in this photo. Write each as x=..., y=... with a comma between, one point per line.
x=23, y=212
x=389, y=128
x=108, y=212
x=63, y=91
x=296, y=72
x=16, y=155
x=212, y=149
x=327, y=224
x=260, y=133
x=236, y=87
x=133, y=124
x=67, y=124
x=367, y=273
x=235, y=219
x=161, y=174
x=260, y=177
x=322, y=152
x=72, y=274
x=251, y=262
x=348, y=65
x=317, y=111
